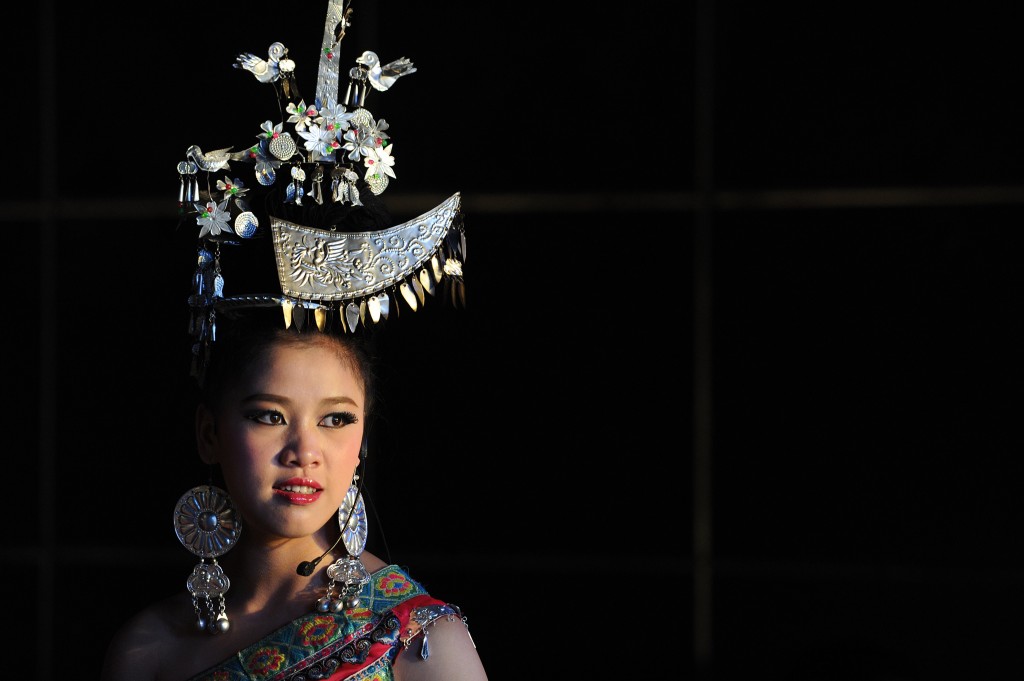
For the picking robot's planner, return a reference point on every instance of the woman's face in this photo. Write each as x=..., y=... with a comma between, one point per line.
x=287, y=436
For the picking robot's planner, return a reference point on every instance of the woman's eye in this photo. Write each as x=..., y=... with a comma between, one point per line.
x=339, y=419
x=267, y=417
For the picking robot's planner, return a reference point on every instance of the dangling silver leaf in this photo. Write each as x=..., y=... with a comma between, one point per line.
x=428, y=285
x=286, y=309
x=352, y=316
x=373, y=304
x=407, y=293
x=385, y=304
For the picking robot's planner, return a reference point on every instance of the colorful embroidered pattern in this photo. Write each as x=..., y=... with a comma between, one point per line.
x=358, y=644
x=265, y=661
x=395, y=583
x=359, y=616
x=318, y=631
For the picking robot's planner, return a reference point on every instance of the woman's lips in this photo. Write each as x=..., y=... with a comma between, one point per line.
x=299, y=490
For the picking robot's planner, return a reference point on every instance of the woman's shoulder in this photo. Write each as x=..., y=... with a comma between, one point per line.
x=161, y=641
x=372, y=563
x=436, y=644
x=137, y=646
x=431, y=628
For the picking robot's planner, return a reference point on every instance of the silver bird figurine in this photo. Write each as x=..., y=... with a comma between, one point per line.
x=383, y=77
x=265, y=70
x=214, y=160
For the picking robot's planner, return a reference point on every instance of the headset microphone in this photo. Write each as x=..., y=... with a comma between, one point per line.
x=306, y=567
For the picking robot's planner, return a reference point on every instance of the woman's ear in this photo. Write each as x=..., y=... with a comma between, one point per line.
x=206, y=434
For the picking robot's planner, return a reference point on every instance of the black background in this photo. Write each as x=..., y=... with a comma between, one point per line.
x=817, y=206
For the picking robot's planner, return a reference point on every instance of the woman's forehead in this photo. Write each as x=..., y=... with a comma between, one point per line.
x=304, y=357
x=308, y=371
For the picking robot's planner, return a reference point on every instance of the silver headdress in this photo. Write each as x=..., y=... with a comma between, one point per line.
x=319, y=171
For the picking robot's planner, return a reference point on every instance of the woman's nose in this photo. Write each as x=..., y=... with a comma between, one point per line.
x=303, y=448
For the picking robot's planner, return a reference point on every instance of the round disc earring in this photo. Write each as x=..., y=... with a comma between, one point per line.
x=207, y=524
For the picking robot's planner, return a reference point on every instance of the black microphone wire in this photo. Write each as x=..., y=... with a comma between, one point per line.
x=306, y=567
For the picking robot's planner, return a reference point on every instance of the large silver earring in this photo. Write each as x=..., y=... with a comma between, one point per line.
x=347, y=574
x=208, y=525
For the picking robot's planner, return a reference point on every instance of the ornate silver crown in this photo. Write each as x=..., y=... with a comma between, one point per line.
x=327, y=159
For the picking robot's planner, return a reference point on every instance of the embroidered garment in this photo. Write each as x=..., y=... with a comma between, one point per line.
x=357, y=644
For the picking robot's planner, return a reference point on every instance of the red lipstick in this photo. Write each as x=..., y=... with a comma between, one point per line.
x=299, y=491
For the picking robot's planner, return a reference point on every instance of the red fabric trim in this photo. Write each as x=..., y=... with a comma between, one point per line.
x=407, y=632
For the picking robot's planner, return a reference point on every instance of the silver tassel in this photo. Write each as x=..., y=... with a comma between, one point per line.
x=189, y=189
x=336, y=185
x=317, y=189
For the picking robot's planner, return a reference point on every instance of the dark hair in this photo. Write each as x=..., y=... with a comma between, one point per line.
x=243, y=339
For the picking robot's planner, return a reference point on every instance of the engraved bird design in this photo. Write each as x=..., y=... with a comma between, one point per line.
x=323, y=264
x=265, y=70
x=214, y=160
x=382, y=77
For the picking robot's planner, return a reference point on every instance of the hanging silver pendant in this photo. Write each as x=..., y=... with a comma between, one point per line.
x=287, y=307
x=408, y=294
x=317, y=190
x=352, y=316
x=425, y=280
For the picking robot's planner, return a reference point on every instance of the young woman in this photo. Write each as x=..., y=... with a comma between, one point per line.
x=283, y=416
x=284, y=589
